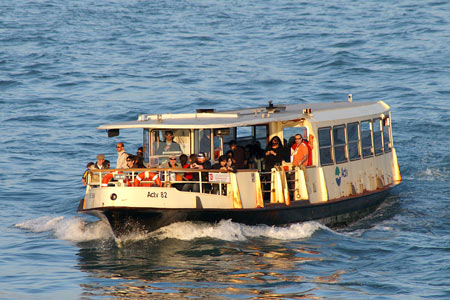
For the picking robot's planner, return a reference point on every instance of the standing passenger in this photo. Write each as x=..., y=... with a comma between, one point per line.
x=90, y=166
x=274, y=153
x=238, y=154
x=100, y=161
x=300, y=154
x=121, y=156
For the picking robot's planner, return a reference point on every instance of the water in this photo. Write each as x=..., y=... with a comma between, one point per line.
x=69, y=66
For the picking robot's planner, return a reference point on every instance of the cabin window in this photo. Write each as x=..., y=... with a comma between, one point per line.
x=339, y=143
x=386, y=135
x=366, y=139
x=325, y=146
x=353, y=141
x=202, y=141
x=377, y=137
x=260, y=134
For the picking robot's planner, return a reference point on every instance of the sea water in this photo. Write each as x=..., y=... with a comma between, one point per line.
x=68, y=66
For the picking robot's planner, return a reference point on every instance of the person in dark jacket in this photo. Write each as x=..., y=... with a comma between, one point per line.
x=274, y=153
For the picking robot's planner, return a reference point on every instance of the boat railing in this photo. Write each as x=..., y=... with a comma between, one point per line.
x=203, y=181
x=278, y=186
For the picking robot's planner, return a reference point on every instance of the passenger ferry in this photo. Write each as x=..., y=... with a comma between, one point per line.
x=353, y=166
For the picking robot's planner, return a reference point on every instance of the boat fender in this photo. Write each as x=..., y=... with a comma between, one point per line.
x=154, y=177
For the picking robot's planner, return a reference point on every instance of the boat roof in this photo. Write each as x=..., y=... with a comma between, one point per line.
x=314, y=112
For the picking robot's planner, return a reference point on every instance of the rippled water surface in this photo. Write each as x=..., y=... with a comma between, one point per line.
x=68, y=66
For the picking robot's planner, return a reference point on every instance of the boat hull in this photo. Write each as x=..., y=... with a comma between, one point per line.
x=339, y=213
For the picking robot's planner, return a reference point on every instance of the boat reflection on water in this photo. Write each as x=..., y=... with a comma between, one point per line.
x=205, y=267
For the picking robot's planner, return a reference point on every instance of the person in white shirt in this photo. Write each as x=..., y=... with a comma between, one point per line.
x=121, y=156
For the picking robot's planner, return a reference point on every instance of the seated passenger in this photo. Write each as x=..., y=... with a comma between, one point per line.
x=222, y=164
x=168, y=145
x=133, y=162
x=171, y=163
x=202, y=163
x=222, y=167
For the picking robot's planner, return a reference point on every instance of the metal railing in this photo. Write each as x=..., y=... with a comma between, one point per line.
x=157, y=177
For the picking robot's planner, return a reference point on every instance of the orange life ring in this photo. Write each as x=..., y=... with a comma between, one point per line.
x=107, y=178
x=154, y=177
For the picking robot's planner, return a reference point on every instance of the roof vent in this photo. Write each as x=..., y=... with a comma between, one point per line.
x=205, y=110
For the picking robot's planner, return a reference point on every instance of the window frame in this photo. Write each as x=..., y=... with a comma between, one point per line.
x=357, y=141
x=362, y=139
x=330, y=147
x=337, y=127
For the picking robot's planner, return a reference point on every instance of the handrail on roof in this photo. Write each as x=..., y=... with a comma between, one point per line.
x=170, y=116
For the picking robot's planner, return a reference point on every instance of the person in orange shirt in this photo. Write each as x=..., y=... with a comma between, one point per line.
x=300, y=152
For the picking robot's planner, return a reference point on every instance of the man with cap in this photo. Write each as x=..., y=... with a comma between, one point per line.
x=99, y=163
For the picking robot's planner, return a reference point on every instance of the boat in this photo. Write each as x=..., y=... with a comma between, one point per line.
x=352, y=168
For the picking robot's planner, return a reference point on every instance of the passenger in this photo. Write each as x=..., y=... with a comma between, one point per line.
x=183, y=161
x=168, y=145
x=300, y=153
x=89, y=166
x=171, y=163
x=121, y=156
x=222, y=167
x=189, y=176
x=140, y=152
x=100, y=161
x=202, y=163
x=106, y=164
x=229, y=153
x=230, y=164
x=222, y=164
x=173, y=176
x=131, y=161
x=140, y=157
x=274, y=153
x=238, y=154
x=259, y=155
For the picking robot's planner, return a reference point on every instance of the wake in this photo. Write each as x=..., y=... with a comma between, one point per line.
x=76, y=229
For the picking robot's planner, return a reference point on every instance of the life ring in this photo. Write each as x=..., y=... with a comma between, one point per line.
x=107, y=178
x=154, y=177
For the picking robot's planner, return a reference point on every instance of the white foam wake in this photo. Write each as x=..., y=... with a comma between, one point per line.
x=76, y=229
x=73, y=229
x=229, y=231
